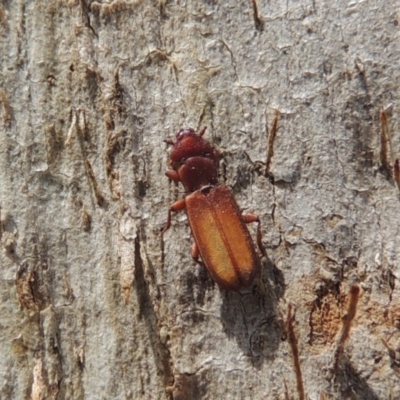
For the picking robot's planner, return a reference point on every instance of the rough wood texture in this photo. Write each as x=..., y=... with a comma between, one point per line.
x=93, y=304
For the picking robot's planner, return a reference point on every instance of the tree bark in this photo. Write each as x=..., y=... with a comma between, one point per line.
x=94, y=304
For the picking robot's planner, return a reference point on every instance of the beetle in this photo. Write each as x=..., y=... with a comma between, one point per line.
x=221, y=237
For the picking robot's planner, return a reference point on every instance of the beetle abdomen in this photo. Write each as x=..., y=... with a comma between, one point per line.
x=222, y=237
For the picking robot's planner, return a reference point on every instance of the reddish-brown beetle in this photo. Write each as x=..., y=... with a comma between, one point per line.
x=222, y=239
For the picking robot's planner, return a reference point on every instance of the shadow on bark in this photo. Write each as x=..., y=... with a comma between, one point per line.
x=351, y=385
x=251, y=317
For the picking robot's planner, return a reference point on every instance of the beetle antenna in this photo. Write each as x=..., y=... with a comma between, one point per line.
x=169, y=142
x=201, y=133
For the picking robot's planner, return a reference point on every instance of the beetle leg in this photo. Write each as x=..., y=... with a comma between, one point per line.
x=173, y=175
x=195, y=251
x=196, y=254
x=248, y=219
x=177, y=206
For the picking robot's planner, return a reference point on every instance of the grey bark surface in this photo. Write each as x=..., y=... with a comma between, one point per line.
x=94, y=305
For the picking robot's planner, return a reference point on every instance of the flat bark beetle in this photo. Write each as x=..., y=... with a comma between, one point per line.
x=222, y=239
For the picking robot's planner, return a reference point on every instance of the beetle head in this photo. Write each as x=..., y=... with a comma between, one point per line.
x=191, y=144
x=185, y=132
